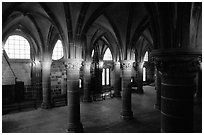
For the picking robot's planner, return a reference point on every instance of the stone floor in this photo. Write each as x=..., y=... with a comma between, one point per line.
x=96, y=117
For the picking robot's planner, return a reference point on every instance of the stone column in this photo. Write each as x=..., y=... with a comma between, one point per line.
x=87, y=82
x=199, y=84
x=99, y=77
x=127, y=66
x=117, y=82
x=177, y=88
x=140, y=78
x=73, y=93
x=46, y=84
x=38, y=85
x=158, y=89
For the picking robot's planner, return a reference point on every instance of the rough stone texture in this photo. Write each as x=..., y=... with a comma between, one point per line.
x=58, y=78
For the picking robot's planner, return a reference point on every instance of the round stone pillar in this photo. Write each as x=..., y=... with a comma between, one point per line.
x=73, y=93
x=158, y=89
x=177, y=89
x=127, y=67
x=199, y=84
x=46, y=84
x=140, y=78
x=117, y=82
x=87, y=82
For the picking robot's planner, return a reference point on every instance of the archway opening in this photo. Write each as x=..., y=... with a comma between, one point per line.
x=58, y=51
x=17, y=47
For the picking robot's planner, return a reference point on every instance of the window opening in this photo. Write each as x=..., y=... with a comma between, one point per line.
x=103, y=77
x=144, y=74
x=107, y=76
x=58, y=51
x=92, y=53
x=146, y=56
x=107, y=55
x=17, y=47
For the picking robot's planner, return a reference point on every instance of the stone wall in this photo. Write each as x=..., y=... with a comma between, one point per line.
x=21, y=69
x=8, y=77
x=58, y=78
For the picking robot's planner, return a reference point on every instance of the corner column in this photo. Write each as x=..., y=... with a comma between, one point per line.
x=158, y=89
x=177, y=88
x=117, y=82
x=73, y=103
x=140, y=78
x=87, y=81
x=199, y=84
x=127, y=67
x=46, y=84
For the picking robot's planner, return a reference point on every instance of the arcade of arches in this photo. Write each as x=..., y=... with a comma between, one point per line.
x=64, y=53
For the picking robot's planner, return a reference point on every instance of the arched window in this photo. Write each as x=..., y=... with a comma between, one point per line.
x=146, y=56
x=144, y=74
x=17, y=47
x=92, y=53
x=106, y=76
x=107, y=55
x=103, y=77
x=58, y=51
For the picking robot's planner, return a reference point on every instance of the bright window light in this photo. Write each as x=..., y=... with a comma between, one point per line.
x=146, y=56
x=107, y=55
x=58, y=51
x=79, y=83
x=17, y=47
x=107, y=76
x=103, y=77
x=92, y=53
x=144, y=74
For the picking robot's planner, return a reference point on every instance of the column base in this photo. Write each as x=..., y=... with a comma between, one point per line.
x=126, y=115
x=87, y=99
x=46, y=105
x=156, y=106
x=75, y=128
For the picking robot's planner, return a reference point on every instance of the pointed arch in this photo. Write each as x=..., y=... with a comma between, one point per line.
x=107, y=55
x=58, y=50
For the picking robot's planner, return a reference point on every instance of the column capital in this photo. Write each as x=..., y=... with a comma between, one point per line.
x=86, y=64
x=177, y=64
x=126, y=64
x=73, y=64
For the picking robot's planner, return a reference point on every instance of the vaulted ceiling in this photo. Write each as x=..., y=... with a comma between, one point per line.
x=121, y=24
